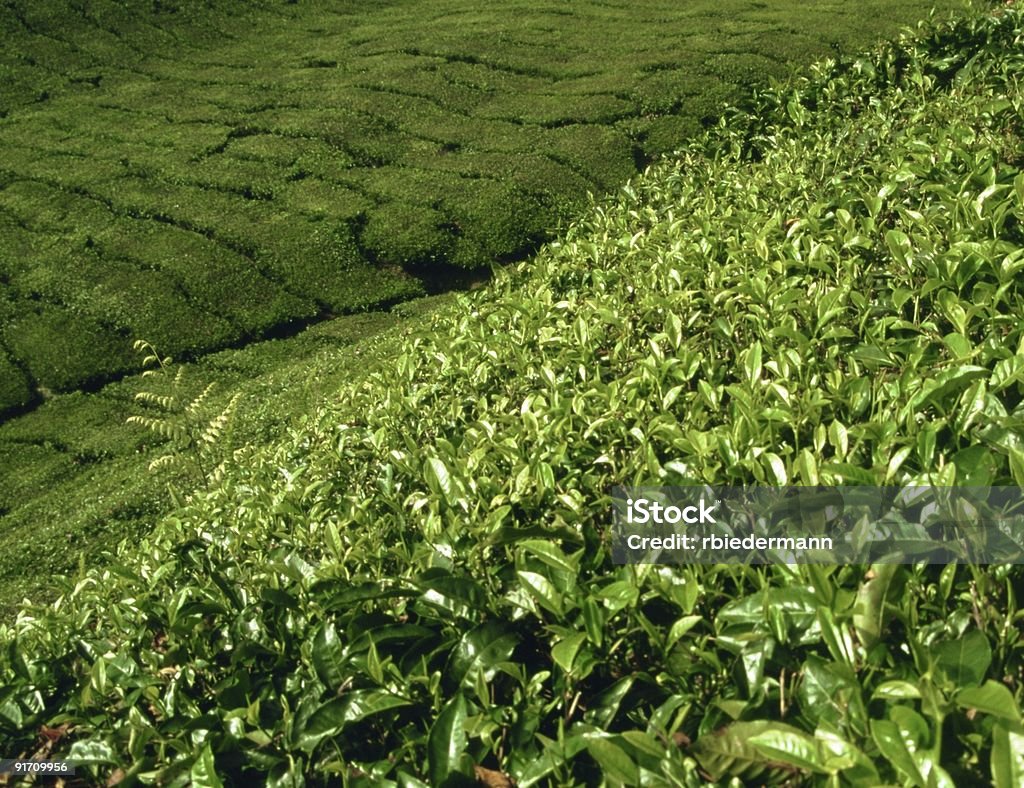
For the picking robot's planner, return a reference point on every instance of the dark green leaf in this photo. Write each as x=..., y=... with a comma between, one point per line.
x=603, y=708
x=327, y=657
x=447, y=740
x=332, y=717
x=964, y=661
x=459, y=596
x=728, y=752
x=479, y=650
x=615, y=762
x=789, y=746
x=544, y=591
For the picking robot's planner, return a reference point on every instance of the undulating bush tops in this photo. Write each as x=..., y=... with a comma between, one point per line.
x=203, y=174
x=415, y=587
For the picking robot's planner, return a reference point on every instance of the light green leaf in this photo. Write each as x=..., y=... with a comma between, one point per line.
x=680, y=628
x=791, y=747
x=839, y=438
x=564, y=652
x=203, y=773
x=869, y=612
x=86, y=752
x=808, y=468
x=892, y=746
x=991, y=698
x=1016, y=457
x=896, y=690
x=752, y=363
x=897, y=459
x=438, y=478
x=1008, y=755
x=552, y=555
x=777, y=468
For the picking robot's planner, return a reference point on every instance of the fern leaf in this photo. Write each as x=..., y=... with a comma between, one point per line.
x=152, y=398
x=165, y=461
x=196, y=404
x=162, y=427
x=215, y=427
x=145, y=421
x=152, y=357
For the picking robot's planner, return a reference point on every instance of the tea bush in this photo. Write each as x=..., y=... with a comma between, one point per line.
x=282, y=162
x=415, y=587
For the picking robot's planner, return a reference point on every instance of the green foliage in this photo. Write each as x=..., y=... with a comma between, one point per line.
x=414, y=584
x=205, y=174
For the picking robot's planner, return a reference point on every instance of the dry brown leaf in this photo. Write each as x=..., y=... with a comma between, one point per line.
x=491, y=778
x=53, y=735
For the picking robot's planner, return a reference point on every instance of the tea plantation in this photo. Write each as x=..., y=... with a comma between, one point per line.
x=205, y=174
x=414, y=585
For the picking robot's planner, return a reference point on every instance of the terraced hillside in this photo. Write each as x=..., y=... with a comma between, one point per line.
x=200, y=178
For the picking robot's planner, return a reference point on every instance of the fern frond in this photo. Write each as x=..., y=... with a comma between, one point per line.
x=215, y=427
x=163, y=401
x=195, y=440
x=152, y=357
x=196, y=404
x=165, y=461
x=218, y=473
x=162, y=427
